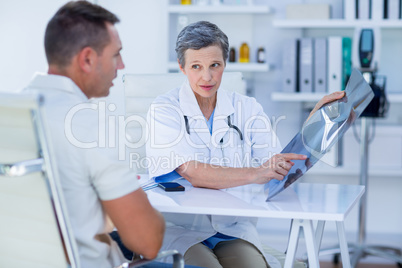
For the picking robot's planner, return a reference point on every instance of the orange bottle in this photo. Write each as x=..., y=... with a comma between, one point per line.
x=186, y=2
x=244, y=53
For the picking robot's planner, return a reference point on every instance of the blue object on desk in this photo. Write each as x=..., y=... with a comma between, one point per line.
x=149, y=187
x=167, y=177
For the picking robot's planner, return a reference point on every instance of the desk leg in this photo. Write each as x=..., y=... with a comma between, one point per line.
x=312, y=250
x=310, y=238
x=318, y=234
x=343, y=244
x=292, y=244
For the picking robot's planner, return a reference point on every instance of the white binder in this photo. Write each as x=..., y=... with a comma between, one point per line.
x=320, y=65
x=349, y=9
x=334, y=63
x=306, y=65
x=363, y=9
x=290, y=66
x=393, y=9
x=377, y=9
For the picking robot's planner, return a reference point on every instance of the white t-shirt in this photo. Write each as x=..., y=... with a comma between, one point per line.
x=89, y=170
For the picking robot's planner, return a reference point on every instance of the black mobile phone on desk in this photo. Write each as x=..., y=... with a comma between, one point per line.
x=171, y=186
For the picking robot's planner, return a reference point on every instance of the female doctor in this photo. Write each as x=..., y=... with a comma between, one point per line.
x=214, y=139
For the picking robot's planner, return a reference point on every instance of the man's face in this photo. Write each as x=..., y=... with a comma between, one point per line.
x=108, y=62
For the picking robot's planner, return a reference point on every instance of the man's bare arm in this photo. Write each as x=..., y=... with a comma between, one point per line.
x=140, y=226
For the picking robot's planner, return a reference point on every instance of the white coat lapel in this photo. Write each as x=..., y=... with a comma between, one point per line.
x=190, y=108
x=224, y=108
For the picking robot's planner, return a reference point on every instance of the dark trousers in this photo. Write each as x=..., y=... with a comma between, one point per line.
x=128, y=254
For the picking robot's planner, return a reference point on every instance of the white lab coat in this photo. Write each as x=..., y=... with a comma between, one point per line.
x=170, y=146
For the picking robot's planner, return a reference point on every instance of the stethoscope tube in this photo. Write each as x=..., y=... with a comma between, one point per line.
x=187, y=126
x=221, y=141
x=235, y=128
x=229, y=124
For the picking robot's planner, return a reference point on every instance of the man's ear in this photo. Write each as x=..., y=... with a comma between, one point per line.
x=87, y=59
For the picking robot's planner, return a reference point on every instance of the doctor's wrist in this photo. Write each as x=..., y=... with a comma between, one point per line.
x=256, y=175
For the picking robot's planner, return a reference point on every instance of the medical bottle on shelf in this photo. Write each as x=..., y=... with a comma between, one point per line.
x=244, y=53
x=261, y=55
x=186, y=2
x=232, y=54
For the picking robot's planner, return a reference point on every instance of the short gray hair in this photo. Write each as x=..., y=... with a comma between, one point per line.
x=199, y=35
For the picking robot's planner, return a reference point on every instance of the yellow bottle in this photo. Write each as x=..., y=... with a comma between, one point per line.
x=186, y=2
x=244, y=53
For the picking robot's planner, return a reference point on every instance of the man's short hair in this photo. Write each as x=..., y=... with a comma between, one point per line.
x=76, y=25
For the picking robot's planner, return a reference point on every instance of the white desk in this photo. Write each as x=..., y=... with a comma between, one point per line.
x=302, y=202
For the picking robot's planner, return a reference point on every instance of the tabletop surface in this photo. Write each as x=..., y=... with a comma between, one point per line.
x=299, y=201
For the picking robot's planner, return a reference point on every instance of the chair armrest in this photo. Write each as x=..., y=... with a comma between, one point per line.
x=178, y=260
x=21, y=168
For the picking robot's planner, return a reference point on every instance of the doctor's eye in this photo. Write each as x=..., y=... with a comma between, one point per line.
x=215, y=65
x=195, y=66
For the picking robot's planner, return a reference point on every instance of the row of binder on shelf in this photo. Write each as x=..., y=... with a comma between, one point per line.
x=316, y=64
x=372, y=9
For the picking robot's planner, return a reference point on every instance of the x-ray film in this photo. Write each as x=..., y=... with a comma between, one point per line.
x=323, y=130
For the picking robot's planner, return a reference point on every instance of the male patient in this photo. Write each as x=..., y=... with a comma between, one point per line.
x=83, y=52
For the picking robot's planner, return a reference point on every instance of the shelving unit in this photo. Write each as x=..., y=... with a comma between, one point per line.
x=221, y=9
x=216, y=11
x=264, y=27
x=330, y=24
x=290, y=97
x=338, y=23
x=314, y=97
x=355, y=171
x=233, y=67
x=363, y=171
x=296, y=97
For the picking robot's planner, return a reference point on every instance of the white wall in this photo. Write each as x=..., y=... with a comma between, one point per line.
x=22, y=28
x=143, y=30
x=143, y=37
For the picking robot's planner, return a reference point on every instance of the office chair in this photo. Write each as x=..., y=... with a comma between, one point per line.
x=34, y=227
x=34, y=224
x=140, y=91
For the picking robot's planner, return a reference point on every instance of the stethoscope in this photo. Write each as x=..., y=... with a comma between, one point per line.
x=221, y=141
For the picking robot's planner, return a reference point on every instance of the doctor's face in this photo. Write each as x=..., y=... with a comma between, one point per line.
x=204, y=69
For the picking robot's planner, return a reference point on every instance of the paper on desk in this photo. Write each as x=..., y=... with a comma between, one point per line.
x=323, y=130
x=147, y=183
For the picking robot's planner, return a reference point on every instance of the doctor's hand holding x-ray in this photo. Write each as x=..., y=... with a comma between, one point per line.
x=193, y=128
